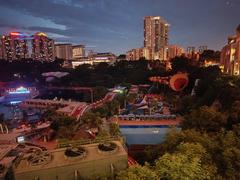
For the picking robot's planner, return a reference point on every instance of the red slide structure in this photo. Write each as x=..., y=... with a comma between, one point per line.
x=131, y=161
x=80, y=110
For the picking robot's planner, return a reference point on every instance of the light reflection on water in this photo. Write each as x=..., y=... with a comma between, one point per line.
x=141, y=135
x=13, y=114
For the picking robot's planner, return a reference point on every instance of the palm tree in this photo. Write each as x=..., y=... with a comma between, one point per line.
x=1, y=118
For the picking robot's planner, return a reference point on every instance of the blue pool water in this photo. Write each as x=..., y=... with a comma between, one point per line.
x=12, y=112
x=7, y=111
x=144, y=134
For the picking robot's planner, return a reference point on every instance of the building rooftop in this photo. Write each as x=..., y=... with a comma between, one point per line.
x=62, y=44
x=58, y=158
x=80, y=45
x=5, y=160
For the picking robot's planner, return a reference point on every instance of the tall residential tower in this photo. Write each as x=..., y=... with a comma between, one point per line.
x=230, y=55
x=14, y=46
x=156, y=36
x=42, y=47
x=17, y=46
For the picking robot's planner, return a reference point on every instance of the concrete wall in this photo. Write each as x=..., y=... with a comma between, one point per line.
x=86, y=170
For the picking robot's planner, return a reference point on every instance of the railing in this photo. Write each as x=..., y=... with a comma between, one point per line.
x=65, y=143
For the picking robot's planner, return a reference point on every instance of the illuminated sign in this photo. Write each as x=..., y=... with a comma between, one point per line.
x=20, y=139
x=20, y=90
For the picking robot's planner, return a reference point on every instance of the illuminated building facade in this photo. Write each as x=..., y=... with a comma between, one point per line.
x=17, y=46
x=174, y=51
x=202, y=49
x=78, y=52
x=14, y=46
x=191, y=50
x=138, y=53
x=102, y=57
x=42, y=47
x=63, y=51
x=156, y=36
x=192, y=53
x=230, y=54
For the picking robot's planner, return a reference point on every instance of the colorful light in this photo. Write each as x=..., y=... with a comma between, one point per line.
x=15, y=102
x=20, y=90
x=15, y=34
x=118, y=91
x=41, y=34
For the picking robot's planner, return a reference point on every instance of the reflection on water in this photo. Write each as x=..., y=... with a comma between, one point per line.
x=144, y=135
x=14, y=115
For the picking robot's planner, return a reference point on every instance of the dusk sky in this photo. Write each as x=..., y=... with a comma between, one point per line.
x=117, y=25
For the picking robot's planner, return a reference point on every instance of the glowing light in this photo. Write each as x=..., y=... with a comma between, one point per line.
x=15, y=34
x=118, y=91
x=15, y=102
x=41, y=34
x=20, y=90
x=20, y=139
x=101, y=58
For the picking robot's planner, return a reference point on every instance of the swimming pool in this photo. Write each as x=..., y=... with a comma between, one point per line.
x=145, y=135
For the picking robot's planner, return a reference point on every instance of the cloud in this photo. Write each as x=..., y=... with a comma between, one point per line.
x=118, y=24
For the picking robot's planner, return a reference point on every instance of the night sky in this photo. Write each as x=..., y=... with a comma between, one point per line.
x=117, y=25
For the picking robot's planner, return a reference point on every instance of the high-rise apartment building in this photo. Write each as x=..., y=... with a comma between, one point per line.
x=156, y=36
x=230, y=54
x=202, y=49
x=14, y=46
x=78, y=52
x=191, y=50
x=42, y=47
x=192, y=53
x=63, y=51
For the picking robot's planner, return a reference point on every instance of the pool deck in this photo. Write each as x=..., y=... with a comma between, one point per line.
x=169, y=122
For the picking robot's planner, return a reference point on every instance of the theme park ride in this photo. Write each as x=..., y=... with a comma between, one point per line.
x=177, y=82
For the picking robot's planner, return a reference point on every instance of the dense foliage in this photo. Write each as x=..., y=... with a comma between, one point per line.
x=208, y=147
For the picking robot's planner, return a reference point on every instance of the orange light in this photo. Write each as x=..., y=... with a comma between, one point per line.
x=14, y=33
x=41, y=34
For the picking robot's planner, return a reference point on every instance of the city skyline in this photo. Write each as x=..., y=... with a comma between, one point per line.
x=118, y=26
